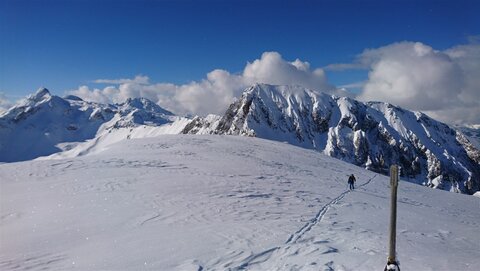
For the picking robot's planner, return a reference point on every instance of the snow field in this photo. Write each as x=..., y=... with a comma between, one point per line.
x=222, y=203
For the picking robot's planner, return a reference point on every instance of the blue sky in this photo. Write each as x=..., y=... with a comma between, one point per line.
x=61, y=44
x=65, y=44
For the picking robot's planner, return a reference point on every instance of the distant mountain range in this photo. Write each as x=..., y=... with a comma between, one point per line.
x=44, y=124
x=372, y=135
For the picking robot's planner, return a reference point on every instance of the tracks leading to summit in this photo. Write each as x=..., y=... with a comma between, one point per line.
x=321, y=213
x=265, y=255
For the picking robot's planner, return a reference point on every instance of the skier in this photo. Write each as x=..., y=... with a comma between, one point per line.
x=351, y=181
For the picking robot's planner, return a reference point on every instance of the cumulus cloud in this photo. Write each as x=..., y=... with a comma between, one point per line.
x=214, y=93
x=414, y=75
x=210, y=95
x=468, y=58
x=356, y=85
x=444, y=84
x=271, y=68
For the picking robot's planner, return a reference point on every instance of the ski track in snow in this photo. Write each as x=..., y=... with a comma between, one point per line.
x=314, y=221
x=190, y=203
x=267, y=255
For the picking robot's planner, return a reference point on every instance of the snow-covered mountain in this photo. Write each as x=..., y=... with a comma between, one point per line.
x=44, y=124
x=204, y=202
x=373, y=135
x=191, y=202
x=472, y=132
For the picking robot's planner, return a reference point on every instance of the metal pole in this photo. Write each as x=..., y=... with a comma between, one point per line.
x=393, y=217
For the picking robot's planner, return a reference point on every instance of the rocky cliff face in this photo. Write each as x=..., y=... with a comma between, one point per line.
x=373, y=135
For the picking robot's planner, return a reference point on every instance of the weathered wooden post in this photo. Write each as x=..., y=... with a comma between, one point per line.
x=392, y=263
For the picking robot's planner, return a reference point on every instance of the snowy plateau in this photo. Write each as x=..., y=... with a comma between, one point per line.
x=131, y=186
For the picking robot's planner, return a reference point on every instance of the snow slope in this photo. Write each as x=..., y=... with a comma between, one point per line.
x=45, y=124
x=373, y=135
x=472, y=132
x=222, y=203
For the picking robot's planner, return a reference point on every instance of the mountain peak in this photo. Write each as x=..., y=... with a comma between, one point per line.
x=41, y=94
x=373, y=135
x=73, y=98
x=145, y=104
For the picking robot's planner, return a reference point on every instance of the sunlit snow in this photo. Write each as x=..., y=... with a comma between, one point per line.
x=222, y=203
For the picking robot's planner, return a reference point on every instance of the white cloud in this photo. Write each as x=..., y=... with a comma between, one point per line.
x=88, y=94
x=271, y=68
x=214, y=93
x=444, y=84
x=355, y=85
x=468, y=58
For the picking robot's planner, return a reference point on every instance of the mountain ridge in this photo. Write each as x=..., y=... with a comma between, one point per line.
x=44, y=124
x=373, y=135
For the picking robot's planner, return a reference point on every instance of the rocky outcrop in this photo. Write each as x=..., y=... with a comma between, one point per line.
x=373, y=135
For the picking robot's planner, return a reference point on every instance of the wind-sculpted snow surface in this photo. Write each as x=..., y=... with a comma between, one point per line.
x=189, y=202
x=373, y=135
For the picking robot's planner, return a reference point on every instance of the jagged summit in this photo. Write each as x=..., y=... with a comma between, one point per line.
x=41, y=93
x=373, y=135
x=144, y=104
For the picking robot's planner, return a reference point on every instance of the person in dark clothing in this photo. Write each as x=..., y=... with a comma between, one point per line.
x=351, y=181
